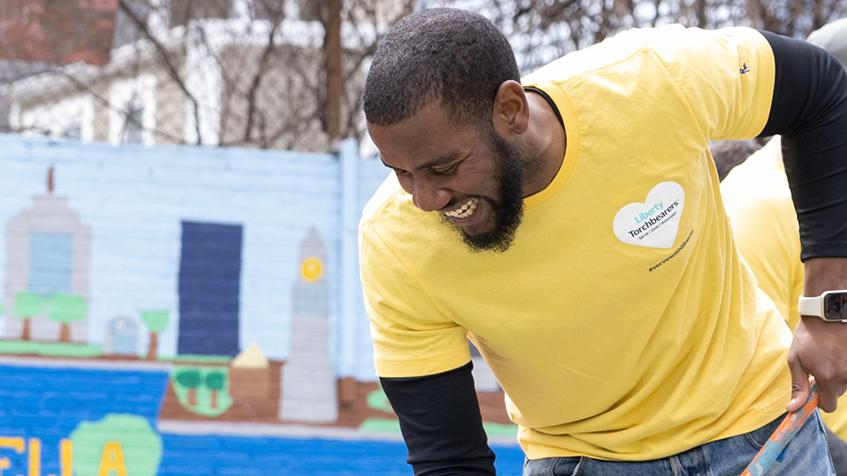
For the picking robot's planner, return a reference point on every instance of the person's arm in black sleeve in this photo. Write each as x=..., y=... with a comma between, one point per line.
x=809, y=109
x=441, y=423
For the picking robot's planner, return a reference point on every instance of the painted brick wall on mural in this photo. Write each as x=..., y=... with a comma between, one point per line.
x=178, y=310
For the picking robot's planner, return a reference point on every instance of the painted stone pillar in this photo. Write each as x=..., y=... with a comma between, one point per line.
x=309, y=388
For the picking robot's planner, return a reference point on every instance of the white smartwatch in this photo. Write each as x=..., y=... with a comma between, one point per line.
x=829, y=306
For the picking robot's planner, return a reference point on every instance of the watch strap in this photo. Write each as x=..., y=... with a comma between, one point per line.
x=810, y=306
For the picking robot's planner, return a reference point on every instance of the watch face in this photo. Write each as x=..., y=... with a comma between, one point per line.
x=835, y=306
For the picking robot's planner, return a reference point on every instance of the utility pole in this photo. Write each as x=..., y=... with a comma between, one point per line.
x=332, y=59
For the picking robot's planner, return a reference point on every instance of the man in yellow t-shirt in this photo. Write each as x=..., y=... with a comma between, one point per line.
x=764, y=224
x=764, y=227
x=571, y=226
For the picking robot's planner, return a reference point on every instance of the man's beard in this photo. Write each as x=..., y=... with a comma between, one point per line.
x=508, y=209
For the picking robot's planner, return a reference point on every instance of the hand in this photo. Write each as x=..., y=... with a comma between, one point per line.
x=819, y=349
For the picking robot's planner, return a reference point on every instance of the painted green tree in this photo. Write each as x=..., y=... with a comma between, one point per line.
x=215, y=382
x=156, y=320
x=66, y=308
x=28, y=305
x=190, y=379
x=202, y=390
x=117, y=442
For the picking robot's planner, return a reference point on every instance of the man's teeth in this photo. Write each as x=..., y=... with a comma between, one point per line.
x=465, y=211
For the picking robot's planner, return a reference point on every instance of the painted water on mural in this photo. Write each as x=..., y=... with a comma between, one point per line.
x=53, y=422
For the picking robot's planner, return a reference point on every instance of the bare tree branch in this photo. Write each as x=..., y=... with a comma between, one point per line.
x=257, y=79
x=166, y=62
x=86, y=87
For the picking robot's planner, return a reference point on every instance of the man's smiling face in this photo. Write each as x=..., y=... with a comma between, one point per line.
x=467, y=173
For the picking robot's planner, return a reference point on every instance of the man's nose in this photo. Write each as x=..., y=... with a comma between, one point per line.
x=429, y=196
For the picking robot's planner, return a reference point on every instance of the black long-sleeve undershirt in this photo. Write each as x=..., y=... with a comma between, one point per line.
x=441, y=423
x=809, y=110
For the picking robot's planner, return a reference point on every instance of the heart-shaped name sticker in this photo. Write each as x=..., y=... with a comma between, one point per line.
x=654, y=222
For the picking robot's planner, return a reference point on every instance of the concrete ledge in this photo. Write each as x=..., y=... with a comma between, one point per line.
x=135, y=365
x=270, y=429
x=288, y=431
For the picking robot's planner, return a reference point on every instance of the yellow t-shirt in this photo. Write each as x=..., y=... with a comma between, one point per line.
x=764, y=225
x=621, y=323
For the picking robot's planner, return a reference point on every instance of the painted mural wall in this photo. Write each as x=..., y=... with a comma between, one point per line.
x=177, y=311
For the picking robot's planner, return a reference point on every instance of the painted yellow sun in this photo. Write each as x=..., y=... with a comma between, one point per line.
x=312, y=269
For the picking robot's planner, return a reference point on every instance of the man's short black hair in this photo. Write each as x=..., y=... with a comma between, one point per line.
x=455, y=56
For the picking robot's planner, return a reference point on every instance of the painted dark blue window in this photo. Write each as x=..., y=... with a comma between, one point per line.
x=209, y=288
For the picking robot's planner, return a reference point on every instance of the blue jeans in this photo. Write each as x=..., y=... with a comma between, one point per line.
x=806, y=454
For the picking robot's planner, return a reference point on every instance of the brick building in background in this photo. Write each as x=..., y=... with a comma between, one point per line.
x=35, y=34
x=217, y=72
x=57, y=31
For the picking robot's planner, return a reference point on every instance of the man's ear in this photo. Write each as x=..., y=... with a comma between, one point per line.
x=510, y=114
